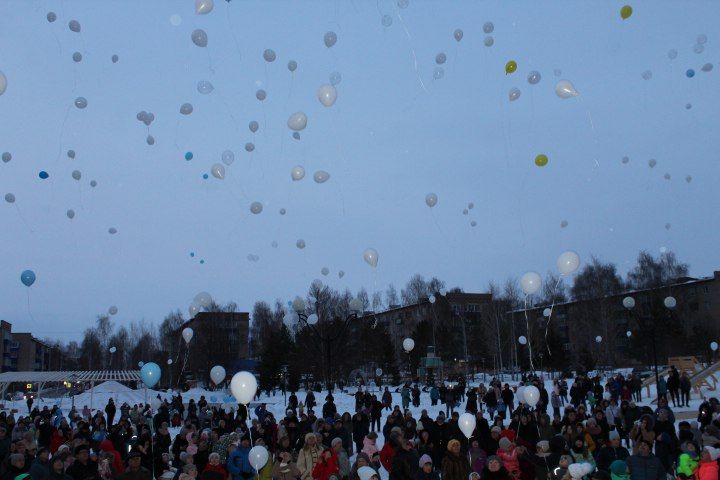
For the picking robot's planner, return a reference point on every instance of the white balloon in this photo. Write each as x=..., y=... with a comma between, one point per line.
x=514, y=94
x=598, y=339
x=187, y=334
x=629, y=303
x=378, y=372
x=568, y=262
x=408, y=344
x=297, y=121
x=628, y=334
x=370, y=255
x=256, y=208
x=312, y=319
x=330, y=39
x=217, y=374
x=713, y=346
x=112, y=310
x=243, y=387
x=258, y=457
x=228, y=157
x=113, y=349
x=140, y=364
x=530, y=282
x=547, y=312
x=431, y=299
x=431, y=200
x=531, y=395
x=327, y=94
x=522, y=340
x=466, y=422
x=194, y=309
x=169, y=361
x=3, y=83
x=203, y=299
x=341, y=274
x=297, y=173
x=203, y=7
x=218, y=171
x=325, y=270
x=565, y=89
x=321, y=176
x=520, y=394
x=670, y=302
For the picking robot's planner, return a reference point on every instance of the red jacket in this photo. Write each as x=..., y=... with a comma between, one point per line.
x=707, y=471
x=216, y=468
x=386, y=456
x=326, y=466
x=117, y=464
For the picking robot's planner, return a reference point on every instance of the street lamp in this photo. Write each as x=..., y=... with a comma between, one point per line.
x=324, y=336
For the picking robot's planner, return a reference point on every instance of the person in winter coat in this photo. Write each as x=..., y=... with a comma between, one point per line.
x=688, y=461
x=580, y=453
x=389, y=449
x=57, y=469
x=83, y=467
x=643, y=430
x=327, y=466
x=509, y=456
x=404, y=463
x=708, y=466
x=40, y=468
x=117, y=463
x=110, y=412
x=214, y=465
x=368, y=445
x=611, y=452
x=494, y=470
x=478, y=457
x=434, y=395
x=619, y=470
x=238, y=462
x=360, y=428
x=342, y=458
x=559, y=472
x=308, y=457
x=645, y=465
x=405, y=396
x=285, y=468
x=454, y=464
x=427, y=471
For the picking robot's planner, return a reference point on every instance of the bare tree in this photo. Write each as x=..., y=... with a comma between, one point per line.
x=415, y=289
x=651, y=273
x=364, y=298
x=377, y=303
x=391, y=296
x=553, y=289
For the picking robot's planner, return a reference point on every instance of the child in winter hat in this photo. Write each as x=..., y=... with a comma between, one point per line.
x=559, y=472
x=509, y=456
x=688, y=461
x=708, y=466
x=619, y=470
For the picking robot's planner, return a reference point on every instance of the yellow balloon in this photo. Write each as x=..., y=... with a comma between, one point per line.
x=625, y=12
x=510, y=67
x=541, y=160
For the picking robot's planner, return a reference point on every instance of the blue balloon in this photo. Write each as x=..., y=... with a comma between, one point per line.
x=188, y=156
x=27, y=277
x=150, y=374
x=205, y=176
x=690, y=73
x=43, y=174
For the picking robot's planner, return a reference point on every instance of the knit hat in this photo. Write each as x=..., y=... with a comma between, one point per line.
x=618, y=467
x=452, y=443
x=366, y=473
x=496, y=429
x=614, y=435
x=544, y=445
x=714, y=452
x=504, y=443
x=579, y=470
x=494, y=458
x=425, y=459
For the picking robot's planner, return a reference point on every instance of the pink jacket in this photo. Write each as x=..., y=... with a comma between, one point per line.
x=707, y=471
x=509, y=459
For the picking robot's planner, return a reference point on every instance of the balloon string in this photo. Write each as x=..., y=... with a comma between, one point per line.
x=552, y=307
x=529, y=342
x=28, y=306
x=412, y=50
x=247, y=420
x=232, y=32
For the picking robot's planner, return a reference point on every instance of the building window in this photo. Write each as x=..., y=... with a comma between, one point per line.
x=456, y=308
x=706, y=289
x=472, y=307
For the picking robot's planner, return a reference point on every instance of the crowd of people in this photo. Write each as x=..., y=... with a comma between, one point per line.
x=594, y=430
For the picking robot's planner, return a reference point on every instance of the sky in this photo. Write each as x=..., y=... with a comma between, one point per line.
x=395, y=134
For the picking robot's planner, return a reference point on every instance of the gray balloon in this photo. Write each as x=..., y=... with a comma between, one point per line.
x=74, y=26
x=292, y=65
x=77, y=57
x=283, y=211
x=249, y=147
x=330, y=39
x=114, y=58
x=300, y=244
x=93, y=183
x=672, y=54
x=403, y=3
x=488, y=27
x=112, y=230
x=438, y=73
x=150, y=140
x=256, y=208
x=76, y=174
x=10, y=198
x=199, y=37
x=205, y=87
x=440, y=58
x=386, y=20
x=70, y=214
x=647, y=75
x=51, y=17
x=489, y=41
x=81, y=102
x=335, y=78
x=514, y=94
x=227, y=157
x=534, y=77
x=699, y=48
x=253, y=126
x=141, y=115
x=261, y=94
x=71, y=153
x=6, y=157
x=707, y=67
x=702, y=39
x=186, y=108
x=269, y=55
x=296, y=135
x=458, y=34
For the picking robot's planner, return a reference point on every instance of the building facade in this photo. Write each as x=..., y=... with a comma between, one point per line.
x=21, y=352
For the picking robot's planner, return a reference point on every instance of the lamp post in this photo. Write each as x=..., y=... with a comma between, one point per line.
x=325, y=338
x=670, y=303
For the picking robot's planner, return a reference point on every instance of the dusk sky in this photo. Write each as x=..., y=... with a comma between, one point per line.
x=394, y=135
